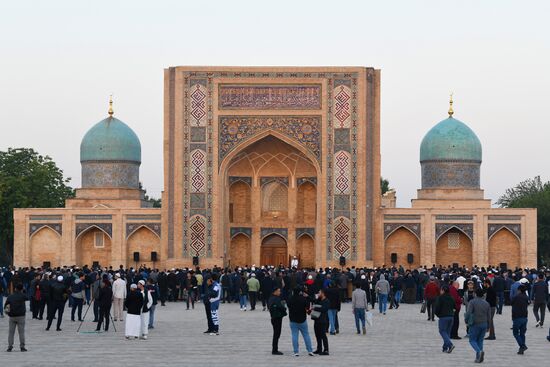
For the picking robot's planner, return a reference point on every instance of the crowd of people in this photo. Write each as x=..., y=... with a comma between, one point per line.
x=441, y=292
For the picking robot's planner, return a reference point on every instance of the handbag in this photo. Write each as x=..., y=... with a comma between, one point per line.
x=369, y=318
x=315, y=314
x=423, y=307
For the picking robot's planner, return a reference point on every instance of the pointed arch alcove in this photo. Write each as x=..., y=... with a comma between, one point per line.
x=93, y=245
x=45, y=247
x=454, y=246
x=261, y=191
x=504, y=247
x=402, y=242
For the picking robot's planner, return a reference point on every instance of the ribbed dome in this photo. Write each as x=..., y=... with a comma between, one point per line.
x=450, y=140
x=110, y=140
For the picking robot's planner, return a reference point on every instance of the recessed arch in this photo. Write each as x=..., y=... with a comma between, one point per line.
x=43, y=227
x=290, y=141
x=399, y=227
x=45, y=245
x=240, y=250
x=90, y=228
x=451, y=228
x=402, y=242
x=504, y=247
x=454, y=246
x=505, y=229
x=139, y=227
x=305, y=234
x=143, y=240
x=273, y=250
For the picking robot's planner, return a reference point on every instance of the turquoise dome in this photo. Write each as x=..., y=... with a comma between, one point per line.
x=451, y=140
x=110, y=140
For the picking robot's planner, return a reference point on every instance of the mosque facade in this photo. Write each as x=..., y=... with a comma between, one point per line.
x=264, y=164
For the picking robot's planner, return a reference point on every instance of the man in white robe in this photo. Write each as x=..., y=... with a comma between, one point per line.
x=147, y=303
x=134, y=305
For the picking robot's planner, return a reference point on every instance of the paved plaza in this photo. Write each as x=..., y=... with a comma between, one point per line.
x=403, y=336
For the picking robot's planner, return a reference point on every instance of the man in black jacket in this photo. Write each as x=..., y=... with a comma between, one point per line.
x=59, y=295
x=499, y=286
x=519, y=317
x=540, y=293
x=17, y=309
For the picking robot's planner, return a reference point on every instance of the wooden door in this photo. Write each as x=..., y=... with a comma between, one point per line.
x=274, y=251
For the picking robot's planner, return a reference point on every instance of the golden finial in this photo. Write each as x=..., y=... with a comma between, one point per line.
x=451, y=112
x=111, y=112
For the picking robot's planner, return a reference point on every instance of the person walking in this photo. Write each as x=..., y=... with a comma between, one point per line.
x=277, y=311
x=253, y=290
x=431, y=293
x=16, y=309
x=333, y=295
x=144, y=316
x=104, y=301
x=321, y=305
x=519, y=317
x=444, y=309
x=59, y=295
x=243, y=292
x=454, y=292
x=214, y=297
x=383, y=289
x=479, y=312
x=359, y=305
x=134, y=305
x=119, y=294
x=298, y=308
x=540, y=295
x=491, y=298
x=499, y=285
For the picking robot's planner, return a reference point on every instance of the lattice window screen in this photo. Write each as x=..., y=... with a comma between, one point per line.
x=275, y=197
x=99, y=239
x=454, y=241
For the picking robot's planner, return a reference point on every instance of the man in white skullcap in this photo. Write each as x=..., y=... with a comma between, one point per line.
x=58, y=296
x=147, y=303
x=134, y=305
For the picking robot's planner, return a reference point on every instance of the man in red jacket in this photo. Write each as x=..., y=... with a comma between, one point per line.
x=431, y=293
x=458, y=303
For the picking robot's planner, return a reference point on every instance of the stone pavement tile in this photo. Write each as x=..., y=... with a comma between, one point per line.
x=401, y=337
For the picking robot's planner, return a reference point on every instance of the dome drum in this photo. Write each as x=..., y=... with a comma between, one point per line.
x=450, y=175
x=105, y=174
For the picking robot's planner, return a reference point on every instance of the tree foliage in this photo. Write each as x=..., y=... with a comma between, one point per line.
x=155, y=203
x=533, y=193
x=27, y=180
x=384, y=185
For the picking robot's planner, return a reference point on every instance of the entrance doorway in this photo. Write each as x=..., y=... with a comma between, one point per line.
x=274, y=251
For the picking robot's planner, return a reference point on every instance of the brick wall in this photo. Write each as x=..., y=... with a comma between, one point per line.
x=446, y=256
x=504, y=248
x=402, y=242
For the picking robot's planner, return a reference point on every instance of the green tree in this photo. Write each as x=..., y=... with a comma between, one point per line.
x=533, y=193
x=384, y=185
x=27, y=180
x=156, y=203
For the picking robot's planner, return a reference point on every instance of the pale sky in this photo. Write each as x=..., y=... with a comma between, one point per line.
x=60, y=60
